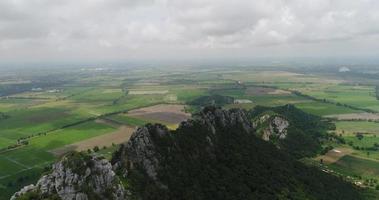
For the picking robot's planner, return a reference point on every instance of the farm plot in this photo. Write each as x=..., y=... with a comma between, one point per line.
x=356, y=116
x=70, y=135
x=278, y=100
x=142, y=92
x=7, y=105
x=257, y=91
x=334, y=155
x=28, y=122
x=23, y=166
x=355, y=166
x=325, y=109
x=358, y=96
x=121, y=135
x=163, y=113
x=351, y=127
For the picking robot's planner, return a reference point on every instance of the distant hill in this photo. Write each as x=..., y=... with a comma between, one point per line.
x=301, y=134
x=215, y=155
x=212, y=100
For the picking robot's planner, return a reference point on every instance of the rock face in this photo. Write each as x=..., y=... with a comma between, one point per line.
x=223, y=119
x=214, y=155
x=271, y=127
x=217, y=155
x=77, y=177
x=140, y=151
x=143, y=151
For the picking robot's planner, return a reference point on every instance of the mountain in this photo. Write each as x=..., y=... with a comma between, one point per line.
x=291, y=129
x=76, y=176
x=214, y=155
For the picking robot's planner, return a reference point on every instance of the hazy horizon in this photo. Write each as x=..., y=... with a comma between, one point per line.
x=185, y=32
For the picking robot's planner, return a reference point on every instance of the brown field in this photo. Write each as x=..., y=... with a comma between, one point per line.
x=164, y=113
x=279, y=92
x=142, y=92
x=334, y=155
x=355, y=116
x=256, y=91
x=108, y=122
x=40, y=118
x=121, y=135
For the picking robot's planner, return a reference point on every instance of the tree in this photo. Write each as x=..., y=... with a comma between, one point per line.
x=359, y=136
x=96, y=149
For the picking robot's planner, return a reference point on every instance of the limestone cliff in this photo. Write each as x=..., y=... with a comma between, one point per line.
x=271, y=126
x=76, y=177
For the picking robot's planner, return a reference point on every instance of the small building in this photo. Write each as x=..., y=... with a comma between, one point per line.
x=344, y=69
x=239, y=101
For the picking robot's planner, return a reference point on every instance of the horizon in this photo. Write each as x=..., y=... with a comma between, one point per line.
x=194, y=32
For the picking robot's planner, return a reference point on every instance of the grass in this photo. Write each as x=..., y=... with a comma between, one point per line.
x=322, y=109
x=277, y=100
x=351, y=127
x=11, y=184
x=358, y=96
x=15, y=164
x=107, y=152
x=188, y=94
x=92, y=94
x=99, y=95
x=37, y=151
x=355, y=166
x=131, y=121
x=70, y=135
x=368, y=140
x=28, y=122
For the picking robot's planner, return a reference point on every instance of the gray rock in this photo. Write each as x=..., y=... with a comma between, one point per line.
x=141, y=151
x=271, y=126
x=79, y=177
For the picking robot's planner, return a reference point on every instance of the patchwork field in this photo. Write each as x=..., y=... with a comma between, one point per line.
x=352, y=127
x=88, y=108
x=120, y=136
x=256, y=91
x=355, y=166
x=356, y=116
x=334, y=155
x=164, y=113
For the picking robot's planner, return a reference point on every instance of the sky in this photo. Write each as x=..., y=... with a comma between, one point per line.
x=132, y=30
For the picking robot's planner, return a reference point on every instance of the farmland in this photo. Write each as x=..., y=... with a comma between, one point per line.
x=86, y=109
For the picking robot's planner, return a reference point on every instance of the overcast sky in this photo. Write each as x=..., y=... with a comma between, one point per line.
x=80, y=30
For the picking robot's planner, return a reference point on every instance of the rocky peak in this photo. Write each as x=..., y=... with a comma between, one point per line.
x=219, y=118
x=271, y=126
x=143, y=149
x=77, y=176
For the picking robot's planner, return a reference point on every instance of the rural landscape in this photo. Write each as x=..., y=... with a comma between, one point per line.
x=47, y=114
x=189, y=100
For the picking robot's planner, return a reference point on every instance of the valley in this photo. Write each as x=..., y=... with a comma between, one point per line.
x=95, y=111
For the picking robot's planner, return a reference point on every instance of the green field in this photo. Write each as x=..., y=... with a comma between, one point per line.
x=88, y=95
x=351, y=127
x=35, y=156
x=355, y=166
x=131, y=121
x=322, y=109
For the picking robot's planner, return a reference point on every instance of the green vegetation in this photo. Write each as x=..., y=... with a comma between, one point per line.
x=305, y=131
x=229, y=163
x=43, y=111
x=213, y=100
x=125, y=119
x=357, y=167
x=352, y=127
x=322, y=109
x=24, y=165
x=70, y=135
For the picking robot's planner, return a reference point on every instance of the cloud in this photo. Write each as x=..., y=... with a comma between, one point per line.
x=125, y=29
